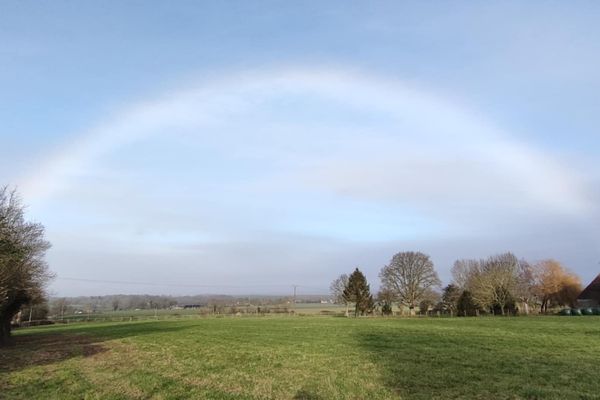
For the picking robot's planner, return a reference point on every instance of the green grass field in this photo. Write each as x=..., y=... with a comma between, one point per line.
x=307, y=358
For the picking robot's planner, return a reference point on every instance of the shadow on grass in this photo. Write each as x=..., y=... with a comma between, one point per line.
x=482, y=364
x=49, y=345
x=415, y=365
x=306, y=395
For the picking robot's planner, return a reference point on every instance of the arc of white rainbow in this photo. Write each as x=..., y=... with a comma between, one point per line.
x=545, y=179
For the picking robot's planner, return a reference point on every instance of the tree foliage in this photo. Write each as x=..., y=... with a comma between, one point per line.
x=555, y=285
x=358, y=292
x=450, y=296
x=23, y=271
x=466, y=306
x=409, y=275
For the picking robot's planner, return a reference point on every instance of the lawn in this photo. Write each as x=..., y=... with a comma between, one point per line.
x=307, y=358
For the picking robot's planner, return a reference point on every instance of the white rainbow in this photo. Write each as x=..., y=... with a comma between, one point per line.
x=541, y=177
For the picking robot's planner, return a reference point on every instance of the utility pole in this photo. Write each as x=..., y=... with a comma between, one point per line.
x=294, y=301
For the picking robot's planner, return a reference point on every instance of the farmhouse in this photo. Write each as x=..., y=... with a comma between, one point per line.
x=590, y=297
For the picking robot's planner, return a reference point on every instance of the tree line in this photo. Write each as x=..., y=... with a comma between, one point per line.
x=498, y=285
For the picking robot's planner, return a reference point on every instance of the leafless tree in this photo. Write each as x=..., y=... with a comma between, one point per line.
x=337, y=288
x=494, y=282
x=385, y=299
x=23, y=271
x=59, y=307
x=461, y=272
x=430, y=299
x=409, y=276
x=525, y=288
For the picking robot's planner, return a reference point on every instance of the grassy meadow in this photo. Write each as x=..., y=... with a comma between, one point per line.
x=311, y=357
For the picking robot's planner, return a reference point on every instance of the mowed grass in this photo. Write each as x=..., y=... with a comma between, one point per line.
x=308, y=358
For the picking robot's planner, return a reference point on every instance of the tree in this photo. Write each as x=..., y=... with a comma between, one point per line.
x=555, y=285
x=525, y=290
x=450, y=296
x=409, y=276
x=461, y=272
x=23, y=271
x=385, y=299
x=492, y=283
x=358, y=292
x=59, y=307
x=337, y=288
x=115, y=304
x=466, y=306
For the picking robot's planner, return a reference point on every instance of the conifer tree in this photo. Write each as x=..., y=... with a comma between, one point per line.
x=358, y=292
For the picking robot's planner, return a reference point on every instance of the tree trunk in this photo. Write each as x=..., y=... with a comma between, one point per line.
x=4, y=331
x=347, y=309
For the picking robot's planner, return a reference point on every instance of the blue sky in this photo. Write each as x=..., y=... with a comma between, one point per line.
x=251, y=146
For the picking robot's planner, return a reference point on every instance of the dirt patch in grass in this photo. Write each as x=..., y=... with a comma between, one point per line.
x=33, y=350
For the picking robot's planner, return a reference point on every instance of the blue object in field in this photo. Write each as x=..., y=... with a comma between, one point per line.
x=576, y=311
x=587, y=311
x=565, y=311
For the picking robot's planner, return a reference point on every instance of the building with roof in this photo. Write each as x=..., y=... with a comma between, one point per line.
x=590, y=297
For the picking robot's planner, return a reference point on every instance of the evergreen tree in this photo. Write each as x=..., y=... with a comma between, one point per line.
x=450, y=297
x=358, y=292
x=466, y=306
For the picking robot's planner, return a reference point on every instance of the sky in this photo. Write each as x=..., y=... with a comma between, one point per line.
x=244, y=147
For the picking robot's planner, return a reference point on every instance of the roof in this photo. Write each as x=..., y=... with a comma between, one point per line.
x=592, y=291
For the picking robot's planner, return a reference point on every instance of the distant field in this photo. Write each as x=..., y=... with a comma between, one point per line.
x=130, y=315
x=307, y=358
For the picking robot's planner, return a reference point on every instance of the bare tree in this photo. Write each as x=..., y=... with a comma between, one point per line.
x=430, y=299
x=337, y=288
x=525, y=288
x=461, y=272
x=409, y=276
x=385, y=299
x=59, y=306
x=23, y=271
x=493, y=282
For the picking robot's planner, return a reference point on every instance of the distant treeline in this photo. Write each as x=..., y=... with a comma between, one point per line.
x=500, y=284
x=58, y=306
